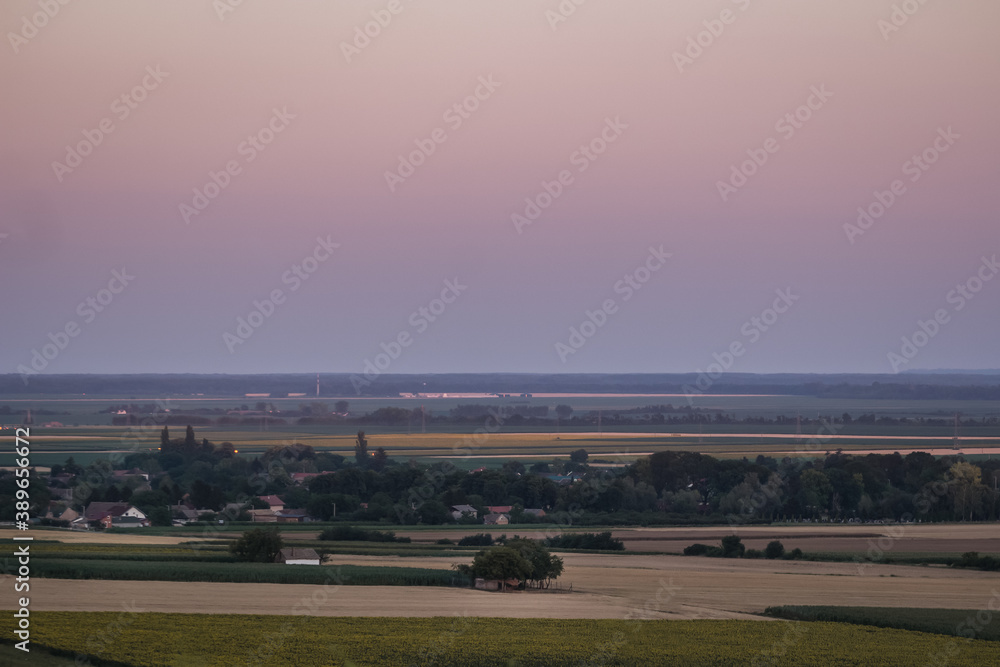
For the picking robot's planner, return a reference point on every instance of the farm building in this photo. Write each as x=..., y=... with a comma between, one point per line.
x=535, y=512
x=496, y=519
x=499, y=509
x=495, y=584
x=263, y=516
x=107, y=512
x=297, y=556
x=274, y=502
x=458, y=510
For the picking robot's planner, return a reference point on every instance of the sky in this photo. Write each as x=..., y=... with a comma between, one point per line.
x=418, y=186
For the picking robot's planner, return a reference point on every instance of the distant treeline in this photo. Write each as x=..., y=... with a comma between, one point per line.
x=940, y=386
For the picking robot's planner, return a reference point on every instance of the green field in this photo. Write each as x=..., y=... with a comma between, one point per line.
x=966, y=623
x=147, y=639
x=265, y=573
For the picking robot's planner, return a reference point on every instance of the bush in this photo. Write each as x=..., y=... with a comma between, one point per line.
x=593, y=541
x=697, y=549
x=257, y=546
x=444, y=540
x=732, y=547
x=972, y=559
x=794, y=554
x=774, y=550
x=753, y=553
x=477, y=540
x=352, y=534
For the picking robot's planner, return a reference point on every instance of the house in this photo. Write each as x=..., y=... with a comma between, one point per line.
x=292, y=516
x=183, y=514
x=134, y=472
x=457, y=511
x=263, y=516
x=496, y=519
x=125, y=522
x=495, y=584
x=499, y=509
x=297, y=556
x=106, y=512
x=535, y=512
x=480, y=469
x=303, y=477
x=274, y=502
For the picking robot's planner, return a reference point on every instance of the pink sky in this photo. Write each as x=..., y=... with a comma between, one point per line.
x=656, y=184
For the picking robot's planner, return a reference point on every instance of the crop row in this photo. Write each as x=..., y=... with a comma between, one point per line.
x=271, y=573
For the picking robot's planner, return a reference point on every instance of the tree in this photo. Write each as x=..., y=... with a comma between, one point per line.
x=563, y=411
x=544, y=566
x=189, y=437
x=732, y=547
x=164, y=437
x=380, y=458
x=500, y=564
x=361, y=449
x=257, y=546
x=774, y=550
x=579, y=456
x=341, y=406
x=967, y=489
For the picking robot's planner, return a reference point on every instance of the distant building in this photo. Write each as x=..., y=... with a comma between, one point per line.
x=297, y=556
x=107, y=512
x=535, y=512
x=303, y=477
x=496, y=520
x=134, y=472
x=499, y=509
x=457, y=511
x=274, y=502
x=263, y=516
x=292, y=516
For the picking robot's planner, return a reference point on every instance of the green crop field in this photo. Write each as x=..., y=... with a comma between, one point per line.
x=148, y=639
x=268, y=573
x=982, y=624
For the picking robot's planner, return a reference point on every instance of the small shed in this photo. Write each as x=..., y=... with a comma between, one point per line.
x=297, y=556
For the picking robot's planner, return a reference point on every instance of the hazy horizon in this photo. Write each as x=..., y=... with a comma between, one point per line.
x=503, y=290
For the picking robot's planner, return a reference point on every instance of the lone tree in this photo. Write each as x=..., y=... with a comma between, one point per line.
x=774, y=550
x=164, y=437
x=341, y=406
x=544, y=566
x=361, y=449
x=257, y=546
x=189, y=437
x=500, y=564
x=579, y=456
x=563, y=411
